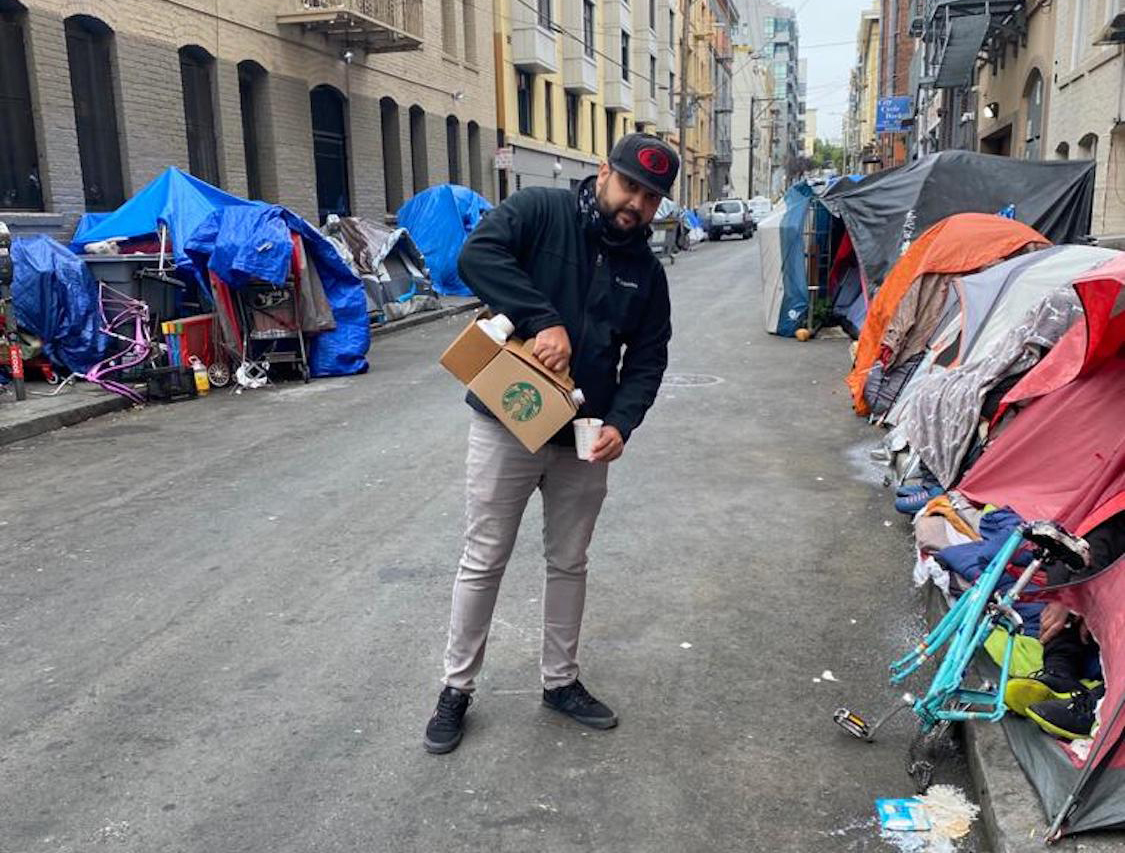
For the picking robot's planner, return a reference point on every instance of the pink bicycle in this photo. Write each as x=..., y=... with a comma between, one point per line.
x=127, y=320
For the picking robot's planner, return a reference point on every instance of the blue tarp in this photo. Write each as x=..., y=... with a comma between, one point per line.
x=795, y=301
x=439, y=219
x=241, y=243
x=174, y=199
x=56, y=298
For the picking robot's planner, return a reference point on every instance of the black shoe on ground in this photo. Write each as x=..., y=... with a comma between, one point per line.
x=1041, y=686
x=576, y=702
x=1073, y=719
x=447, y=724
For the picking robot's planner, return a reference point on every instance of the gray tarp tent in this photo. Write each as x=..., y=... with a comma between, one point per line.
x=884, y=212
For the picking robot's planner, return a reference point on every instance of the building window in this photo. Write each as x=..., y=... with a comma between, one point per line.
x=624, y=126
x=196, y=71
x=1033, y=98
x=474, y=157
x=652, y=77
x=330, y=151
x=624, y=56
x=449, y=27
x=672, y=91
x=549, y=109
x=672, y=32
x=453, y=148
x=588, y=27
x=1079, y=35
x=610, y=129
x=469, y=20
x=392, y=152
x=419, y=159
x=1088, y=147
x=652, y=15
x=593, y=128
x=89, y=48
x=524, y=83
x=571, y=120
x=1062, y=151
x=545, y=14
x=251, y=97
x=19, y=156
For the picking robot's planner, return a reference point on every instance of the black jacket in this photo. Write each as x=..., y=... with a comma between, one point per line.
x=538, y=259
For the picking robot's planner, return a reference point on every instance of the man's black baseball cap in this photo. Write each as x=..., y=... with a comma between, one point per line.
x=648, y=160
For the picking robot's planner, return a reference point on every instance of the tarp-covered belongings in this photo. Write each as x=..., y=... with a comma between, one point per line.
x=440, y=219
x=782, y=245
x=244, y=244
x=173, y=199
x=884, y=213
x=389, y=262
x=941, y=413
x=56, y=299
x=919, y=283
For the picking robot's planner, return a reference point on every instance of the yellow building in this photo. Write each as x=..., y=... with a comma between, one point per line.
x=572, y=77
x=861, y=137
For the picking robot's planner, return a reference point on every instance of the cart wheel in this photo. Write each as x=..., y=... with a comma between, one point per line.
x=52, y=377
x=218, y=374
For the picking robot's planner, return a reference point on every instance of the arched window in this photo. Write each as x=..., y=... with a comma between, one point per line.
x=474, y=157
x=330, y=151
x=197, y=69
x=392, y=153
x=1062, y=151
x=89, y=50
x=252, y=81
x=419, y=159
x=19, y=155
x=1033, y=109
x=453, y=148
x=1088, y=147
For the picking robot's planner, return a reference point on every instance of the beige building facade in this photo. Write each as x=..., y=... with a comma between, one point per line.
x=320, y=105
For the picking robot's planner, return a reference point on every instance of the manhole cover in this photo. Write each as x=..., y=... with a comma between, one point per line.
x=685, y=379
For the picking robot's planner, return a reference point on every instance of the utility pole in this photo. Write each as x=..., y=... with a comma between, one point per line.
x=682, y=117
x=750, y=182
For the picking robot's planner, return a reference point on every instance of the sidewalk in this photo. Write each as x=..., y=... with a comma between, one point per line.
x=21, y=420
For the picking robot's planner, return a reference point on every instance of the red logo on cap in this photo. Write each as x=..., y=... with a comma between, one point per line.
x=655, y=160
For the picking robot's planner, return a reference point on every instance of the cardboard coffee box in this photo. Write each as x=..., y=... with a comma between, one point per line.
x=531, y=401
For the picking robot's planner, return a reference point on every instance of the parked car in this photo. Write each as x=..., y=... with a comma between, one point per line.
x=760, y=208
x=731, y=216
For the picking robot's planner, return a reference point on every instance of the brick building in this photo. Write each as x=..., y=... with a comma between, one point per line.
x=896, y=51
x=319, y=105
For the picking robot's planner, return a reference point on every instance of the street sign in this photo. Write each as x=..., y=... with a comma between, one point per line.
x=893, y=115
x=504, y=157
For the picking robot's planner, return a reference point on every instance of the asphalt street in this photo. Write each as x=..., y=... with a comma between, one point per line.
x=221, y=621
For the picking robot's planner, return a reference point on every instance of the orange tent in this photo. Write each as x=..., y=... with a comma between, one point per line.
x=963, y=243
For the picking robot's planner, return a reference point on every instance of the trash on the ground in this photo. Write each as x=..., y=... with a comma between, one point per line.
x=903, y=814
x=685, y=645
x=853, y=621
x=828, y=676
x=887, y=523
x=950, y=811
x=815, y=680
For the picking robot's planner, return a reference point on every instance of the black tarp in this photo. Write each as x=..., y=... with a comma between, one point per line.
x=883, y=215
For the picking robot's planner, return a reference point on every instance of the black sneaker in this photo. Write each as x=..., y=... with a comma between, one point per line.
x=1073, y=719
x=447, y=724
x=1041, y=686
x=574, y=701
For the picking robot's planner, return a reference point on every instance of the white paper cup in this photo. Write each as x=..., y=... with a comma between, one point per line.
x=586, y=431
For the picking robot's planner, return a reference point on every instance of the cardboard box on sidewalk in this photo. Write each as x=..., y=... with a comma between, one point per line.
x=531, y=401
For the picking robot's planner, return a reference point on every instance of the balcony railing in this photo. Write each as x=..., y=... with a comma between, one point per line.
x=375, y=26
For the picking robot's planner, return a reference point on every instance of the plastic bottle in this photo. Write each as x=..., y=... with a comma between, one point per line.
x=202, y=383
x=499, y=328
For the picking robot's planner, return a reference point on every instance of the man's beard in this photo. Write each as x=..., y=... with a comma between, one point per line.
x=610, y=215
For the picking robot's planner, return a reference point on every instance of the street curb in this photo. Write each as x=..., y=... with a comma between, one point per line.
x=422, y=318
x=32, y=427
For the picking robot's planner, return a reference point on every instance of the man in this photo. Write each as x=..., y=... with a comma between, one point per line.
x=572, y=270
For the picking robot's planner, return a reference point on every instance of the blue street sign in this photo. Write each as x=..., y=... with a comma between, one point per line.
x=892, y=115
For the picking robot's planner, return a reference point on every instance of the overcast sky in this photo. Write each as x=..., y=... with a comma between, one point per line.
x=827, y=40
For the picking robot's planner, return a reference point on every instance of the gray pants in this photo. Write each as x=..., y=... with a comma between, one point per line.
x=501, y=476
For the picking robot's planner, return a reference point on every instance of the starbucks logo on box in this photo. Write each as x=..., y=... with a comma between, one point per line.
x=522, y=401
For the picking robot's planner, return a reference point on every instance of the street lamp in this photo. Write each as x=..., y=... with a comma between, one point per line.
x=750, y=181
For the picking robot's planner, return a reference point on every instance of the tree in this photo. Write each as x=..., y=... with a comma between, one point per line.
x=828, y=155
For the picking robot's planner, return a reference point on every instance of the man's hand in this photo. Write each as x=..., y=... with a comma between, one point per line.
x=1052, y=620
x=608, y=446
x=552, y=348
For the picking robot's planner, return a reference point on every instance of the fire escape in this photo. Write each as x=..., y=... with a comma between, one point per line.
x=957, y=36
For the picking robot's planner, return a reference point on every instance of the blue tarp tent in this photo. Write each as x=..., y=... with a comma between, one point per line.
x=240, y=243
x=439, y=219
x=781, y=242
x=174, y=199
x=56, y=299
